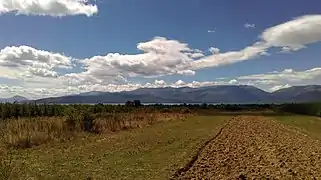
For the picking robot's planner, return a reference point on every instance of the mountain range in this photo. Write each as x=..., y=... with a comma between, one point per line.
x=211, y=94
x=13, y=99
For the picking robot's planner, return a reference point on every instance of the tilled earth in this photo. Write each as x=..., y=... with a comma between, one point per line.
x=254, y=147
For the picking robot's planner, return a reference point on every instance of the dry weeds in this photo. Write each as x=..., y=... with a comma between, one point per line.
x=29, y=132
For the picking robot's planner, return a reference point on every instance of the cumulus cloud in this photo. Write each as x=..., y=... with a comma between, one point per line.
x=56, y=8
x=290, y=36
x=288, y=49
x=30, y=61
x=270, y=82
x=287, y=76
x=197, y=55
x=233, y=81
x=294, y=34
x=41, y=92
x=220, y=59
x=24, y=55
x=159, y=57
x=278, y=87
x=160, y=82
x=42, y=72
x=214, y=50
x=248, y=25
x=180, y=83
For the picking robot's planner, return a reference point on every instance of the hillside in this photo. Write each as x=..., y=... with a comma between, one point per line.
x=211, y=94
x=298, y=94
x=13, y=99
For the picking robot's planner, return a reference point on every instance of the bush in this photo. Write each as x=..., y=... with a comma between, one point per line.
x=87, y=121
x=71, y=118
x=312, y=109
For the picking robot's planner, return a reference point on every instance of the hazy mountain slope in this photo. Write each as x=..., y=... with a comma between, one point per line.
x=298, y=94
x=212, y=94
x=13, y=99
x=230, y=94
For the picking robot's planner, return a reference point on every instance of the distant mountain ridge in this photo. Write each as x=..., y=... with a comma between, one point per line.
x=13, y=99
x=211, y=94
x=309, y=93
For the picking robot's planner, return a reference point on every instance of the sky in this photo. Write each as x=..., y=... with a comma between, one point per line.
x=62, y=47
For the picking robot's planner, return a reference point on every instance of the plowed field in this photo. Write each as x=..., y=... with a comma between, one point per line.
x=249, y=147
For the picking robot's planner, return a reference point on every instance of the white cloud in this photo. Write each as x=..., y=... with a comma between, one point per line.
x=288, y=71
x=24, y=55
x=290, y=36
x=32, y=62
x=220, y=59
x=287, y=76
x=197, y=55
x=294, y=34
x=233, y=81
x=214, y=50
x=160, y=82
x=159, y=57
x=41, y=92
x=180, y=83
x=42, y=72
x=264, y=53
x=269, y=81
x=248, y=25
x=278, y=87
x=211, y=31
x=56, y=8
x=288, y=49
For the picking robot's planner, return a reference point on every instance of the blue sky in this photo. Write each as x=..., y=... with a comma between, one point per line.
x=58, y=47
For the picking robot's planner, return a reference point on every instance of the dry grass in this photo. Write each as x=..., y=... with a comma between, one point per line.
x=26, y=133
x=307, y=124
x=150, y=152
x=6, y=164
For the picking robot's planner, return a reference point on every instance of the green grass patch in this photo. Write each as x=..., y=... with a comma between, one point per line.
x=308, y=124
x=153, y=152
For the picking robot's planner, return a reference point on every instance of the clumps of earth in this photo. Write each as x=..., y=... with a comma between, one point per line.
x=255, y=147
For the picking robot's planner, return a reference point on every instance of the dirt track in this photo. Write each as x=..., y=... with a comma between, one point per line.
x=251, y=147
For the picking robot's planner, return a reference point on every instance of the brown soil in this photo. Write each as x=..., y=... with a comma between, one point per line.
x=254, y=147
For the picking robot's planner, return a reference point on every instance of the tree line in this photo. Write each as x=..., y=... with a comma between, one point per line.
x=312, y=109
x=16, y=110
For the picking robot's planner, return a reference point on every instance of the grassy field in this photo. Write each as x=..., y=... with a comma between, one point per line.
x=151, y=152
x=307, y=124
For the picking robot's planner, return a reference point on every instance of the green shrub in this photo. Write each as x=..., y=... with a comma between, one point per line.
x=312, y=109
